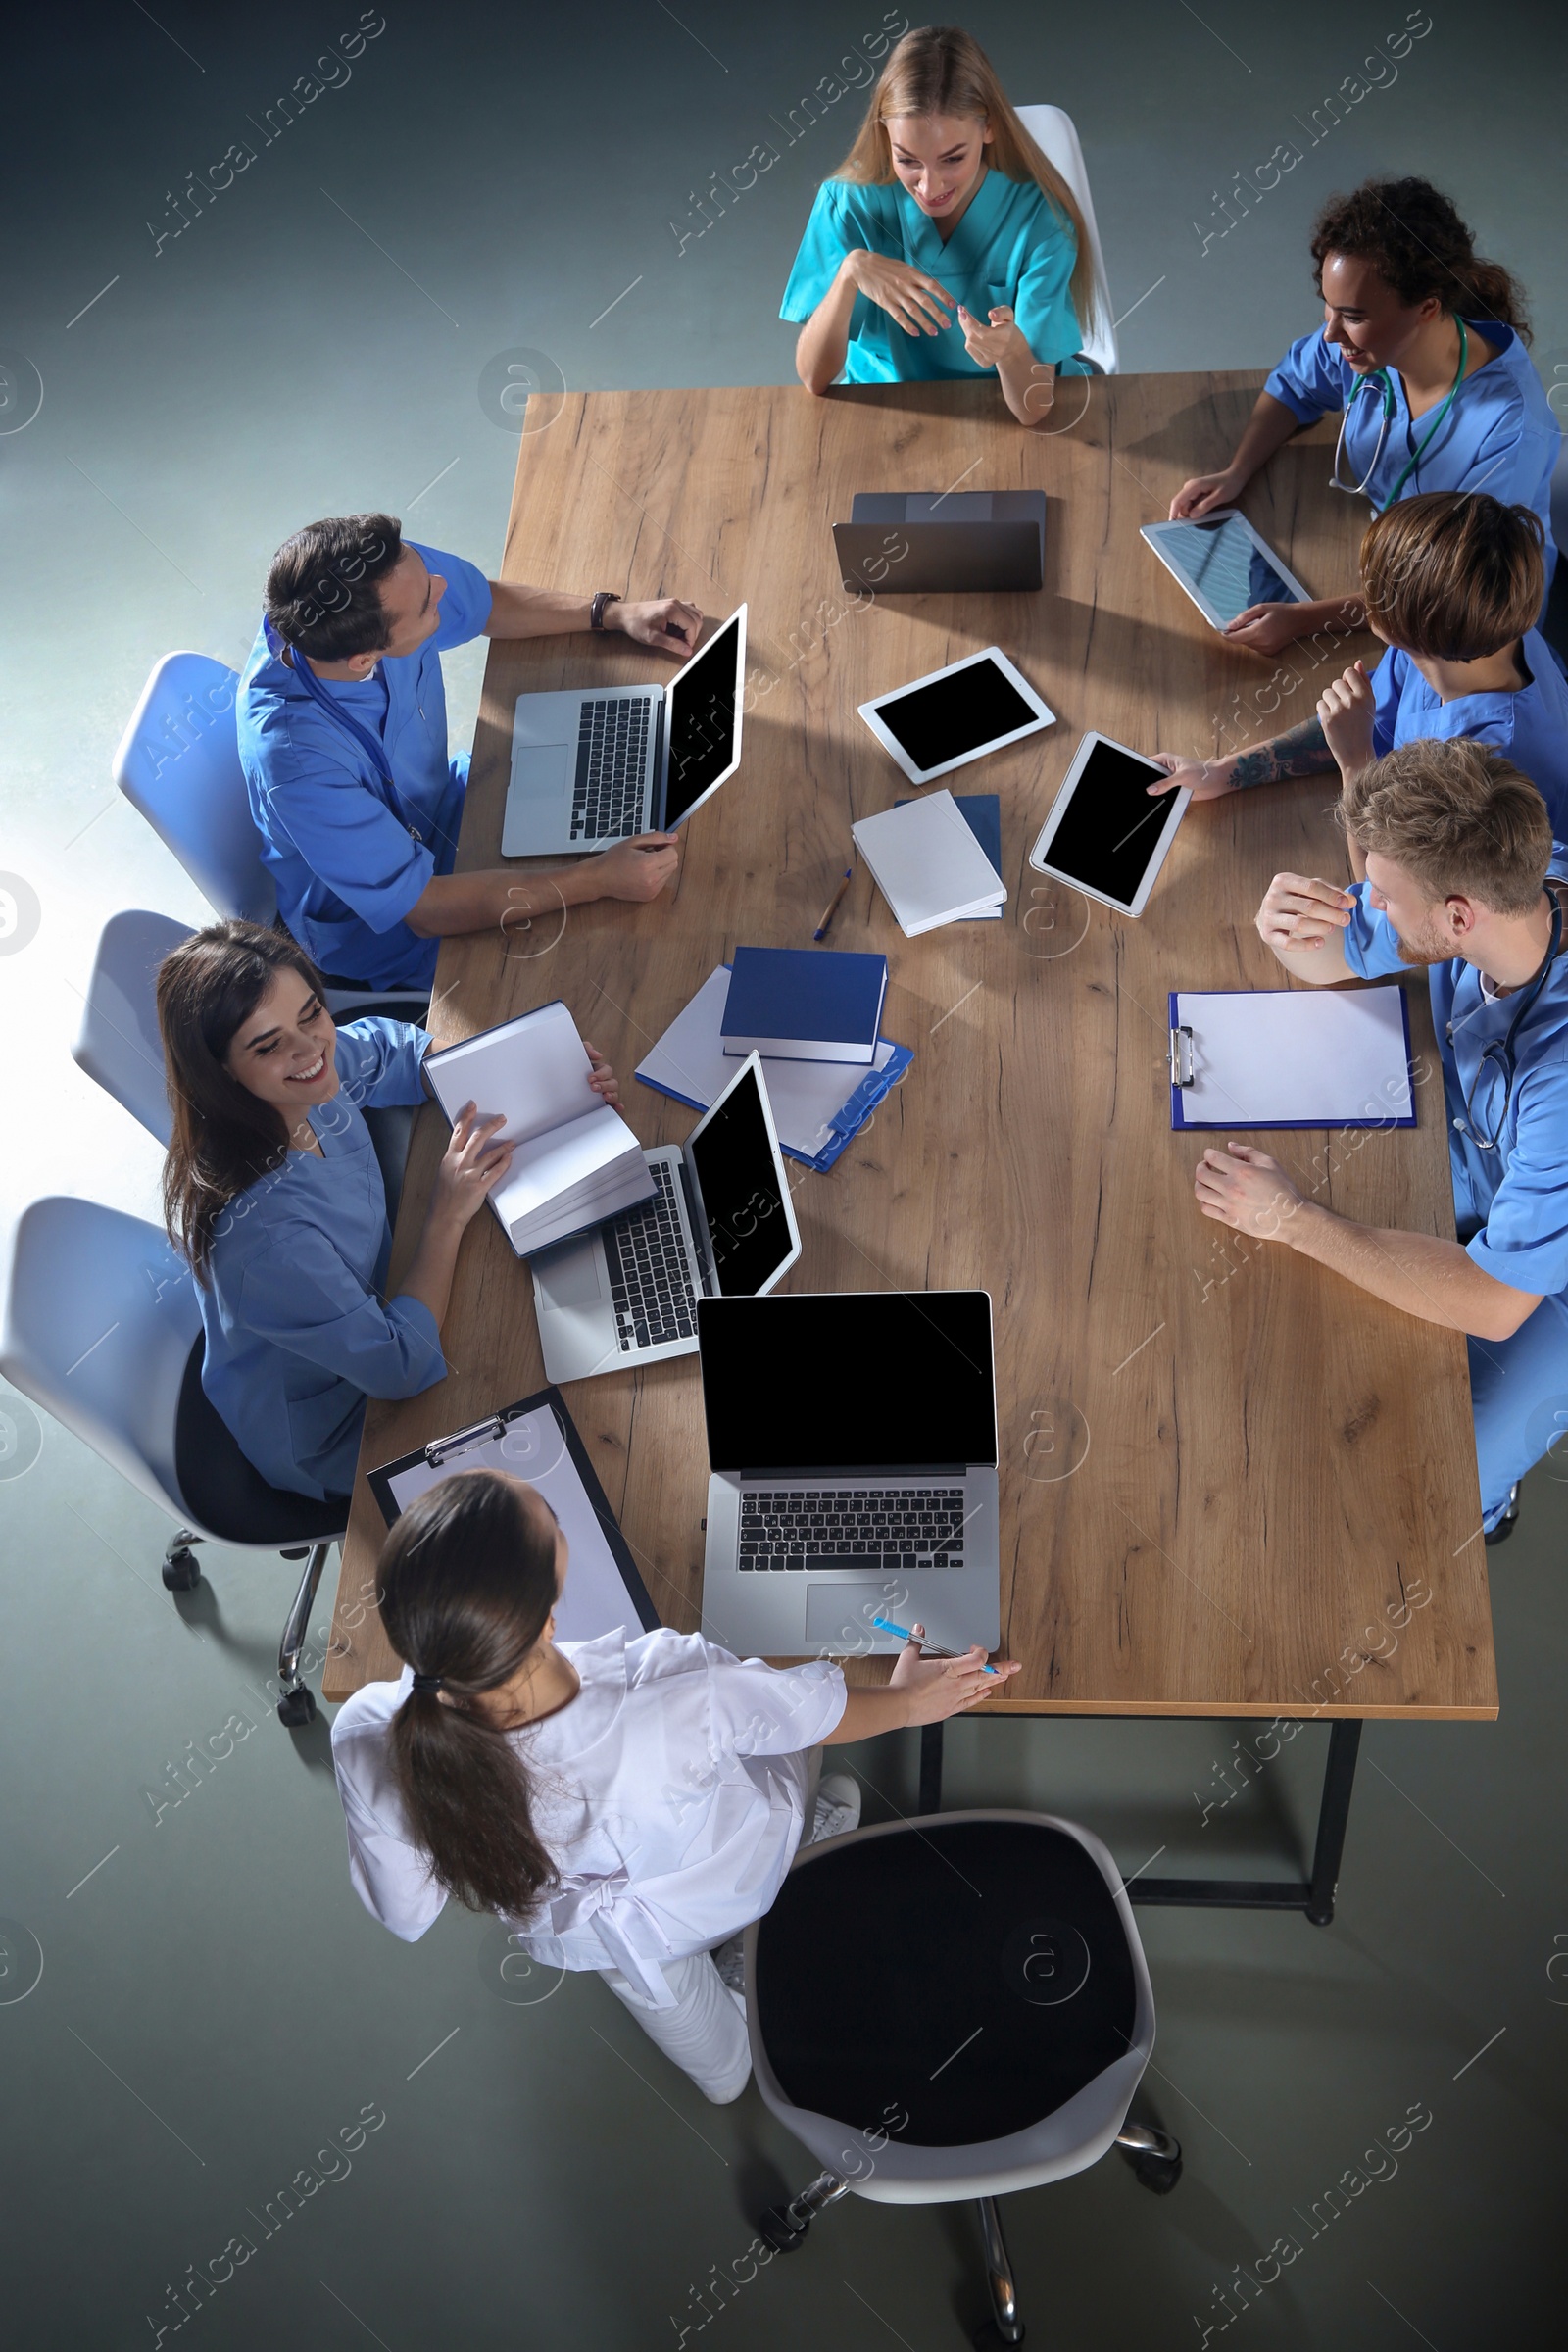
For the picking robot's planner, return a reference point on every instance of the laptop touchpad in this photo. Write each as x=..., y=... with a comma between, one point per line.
x=569, y=1280
x=541, y=769
x=844, y=1612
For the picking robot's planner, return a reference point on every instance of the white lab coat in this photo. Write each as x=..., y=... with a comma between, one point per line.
x=670, y=1793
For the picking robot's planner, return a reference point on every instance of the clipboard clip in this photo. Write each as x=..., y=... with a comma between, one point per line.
x=479, y=1433
x=1181, y=1056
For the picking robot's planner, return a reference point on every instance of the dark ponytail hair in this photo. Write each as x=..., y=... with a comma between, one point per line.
x=467, y=1582
x=225, y=1137
x=1416, y=242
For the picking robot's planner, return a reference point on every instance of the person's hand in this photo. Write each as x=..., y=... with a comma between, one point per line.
x=942, y=1686
x=988, y=345
x=471, y=1168
x=1265, y=628
x=1301, y=912
x=1345, y=711
x=1205, y=779
x=669, y=623
x=638, y=869
x=910, y=299
x=1245, y=1189
x=602, y=1078
x=1204, y=493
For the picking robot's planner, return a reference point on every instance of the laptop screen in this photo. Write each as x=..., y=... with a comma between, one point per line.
x=703, y=722
x=847, y=1381
x=741, y=1194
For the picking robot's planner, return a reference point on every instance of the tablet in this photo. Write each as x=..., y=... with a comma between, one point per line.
x=1105, y=835
x=1223, y=566
x=956, y=714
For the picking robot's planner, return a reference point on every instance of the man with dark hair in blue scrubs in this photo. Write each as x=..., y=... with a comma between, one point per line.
x=343, y=737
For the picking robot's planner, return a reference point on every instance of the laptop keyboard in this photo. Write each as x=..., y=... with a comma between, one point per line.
x=650, y=1274
x=880, y=1529
x=606, y=803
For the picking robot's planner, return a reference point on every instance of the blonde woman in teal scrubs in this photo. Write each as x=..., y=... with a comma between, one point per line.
x=945, y=247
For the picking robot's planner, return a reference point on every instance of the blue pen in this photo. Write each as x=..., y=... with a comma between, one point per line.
x=885, y=1625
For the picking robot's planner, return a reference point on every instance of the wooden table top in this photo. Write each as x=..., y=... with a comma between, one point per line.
x=1231, y=1484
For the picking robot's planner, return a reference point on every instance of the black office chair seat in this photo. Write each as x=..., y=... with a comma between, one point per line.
x=226, y=1493
x=975, y=1972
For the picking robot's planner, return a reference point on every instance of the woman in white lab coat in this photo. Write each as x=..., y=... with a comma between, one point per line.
x=627, y=1804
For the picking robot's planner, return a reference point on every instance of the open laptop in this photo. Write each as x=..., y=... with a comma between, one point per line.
x=721, y=1225
x=597, y=764
x=853, y=1443
x=950, y=542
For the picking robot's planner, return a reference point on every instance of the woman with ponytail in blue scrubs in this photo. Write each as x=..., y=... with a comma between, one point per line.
x=1422, y=355
x=946, y=247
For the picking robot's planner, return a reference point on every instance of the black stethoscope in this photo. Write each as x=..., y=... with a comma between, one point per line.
x=373, y=750
x=1500, y=1051
x=1380, y=376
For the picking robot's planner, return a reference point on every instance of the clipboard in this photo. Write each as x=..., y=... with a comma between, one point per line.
x=536, y=1439
x=1241, y=1065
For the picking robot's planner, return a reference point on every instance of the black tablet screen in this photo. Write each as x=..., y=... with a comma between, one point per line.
x=1112, y=828
x=956, y=716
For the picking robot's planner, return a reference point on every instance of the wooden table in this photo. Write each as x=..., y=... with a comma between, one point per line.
x=1231, y=1484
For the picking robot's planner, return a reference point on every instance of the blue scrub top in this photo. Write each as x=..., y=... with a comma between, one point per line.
x=1511, y=1205
x=347, y=868
x=1499, y=436
x=1011, y=247
x=1529, y=726
x=297, y=1331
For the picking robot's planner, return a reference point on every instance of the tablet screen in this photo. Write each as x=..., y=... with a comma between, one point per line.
x=951, y=718
x=1110, y=828
x=1225, y=564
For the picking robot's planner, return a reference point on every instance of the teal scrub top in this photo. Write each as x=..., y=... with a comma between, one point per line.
x=1012, y=247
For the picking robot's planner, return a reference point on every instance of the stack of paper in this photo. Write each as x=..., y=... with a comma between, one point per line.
x=575, y=1161
x=928, y=865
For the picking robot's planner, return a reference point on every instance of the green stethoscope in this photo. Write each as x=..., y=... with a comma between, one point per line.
x=1380, y=376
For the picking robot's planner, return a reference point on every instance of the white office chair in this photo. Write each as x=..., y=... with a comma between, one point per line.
x=118, y=1044
x=951, y=2007
x=101, y=1329
x=179, y=765
x=1054, y=133
x=1554, y=622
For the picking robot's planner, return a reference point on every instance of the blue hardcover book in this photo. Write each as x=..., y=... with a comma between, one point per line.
x=805, y=1005
x=981, y=811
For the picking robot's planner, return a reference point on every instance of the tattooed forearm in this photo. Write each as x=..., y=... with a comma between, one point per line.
x=1301, y=752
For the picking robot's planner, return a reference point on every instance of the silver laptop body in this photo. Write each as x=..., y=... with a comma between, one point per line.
x=720, y=1220
x=802, y=1555
x=596, y=764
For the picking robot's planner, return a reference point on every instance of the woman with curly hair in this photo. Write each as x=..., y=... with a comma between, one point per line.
x=1422, y=353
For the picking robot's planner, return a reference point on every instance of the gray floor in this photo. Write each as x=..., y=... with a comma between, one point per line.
x=214, y=2007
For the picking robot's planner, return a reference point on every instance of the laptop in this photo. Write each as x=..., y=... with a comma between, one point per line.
x=924, y=542
x=853, y=1443
x=593, y=766
x=721, y=1225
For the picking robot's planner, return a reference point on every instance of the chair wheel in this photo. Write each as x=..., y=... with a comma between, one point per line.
x=778, y=2227
x=297, y=1707
x=182, y=1570
x=1158, y=2174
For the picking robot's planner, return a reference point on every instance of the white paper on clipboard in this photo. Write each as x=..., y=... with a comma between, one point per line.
x=596, y=1600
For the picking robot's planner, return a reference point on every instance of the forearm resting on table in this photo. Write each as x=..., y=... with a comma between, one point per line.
x=454, y=903
x=1299, y=751
x=435, y=1261
x=1270, y=425
x=1436, y=1280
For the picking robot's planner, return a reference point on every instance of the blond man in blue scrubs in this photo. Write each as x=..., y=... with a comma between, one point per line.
x=945, y=247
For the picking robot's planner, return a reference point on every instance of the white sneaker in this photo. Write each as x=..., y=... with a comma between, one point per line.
x=838, y=1807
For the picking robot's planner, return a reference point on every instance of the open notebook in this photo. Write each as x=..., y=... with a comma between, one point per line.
x=576, y=1160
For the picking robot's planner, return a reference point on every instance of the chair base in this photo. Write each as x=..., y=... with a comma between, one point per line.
x=181, y=1573
x=1156, y=2162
